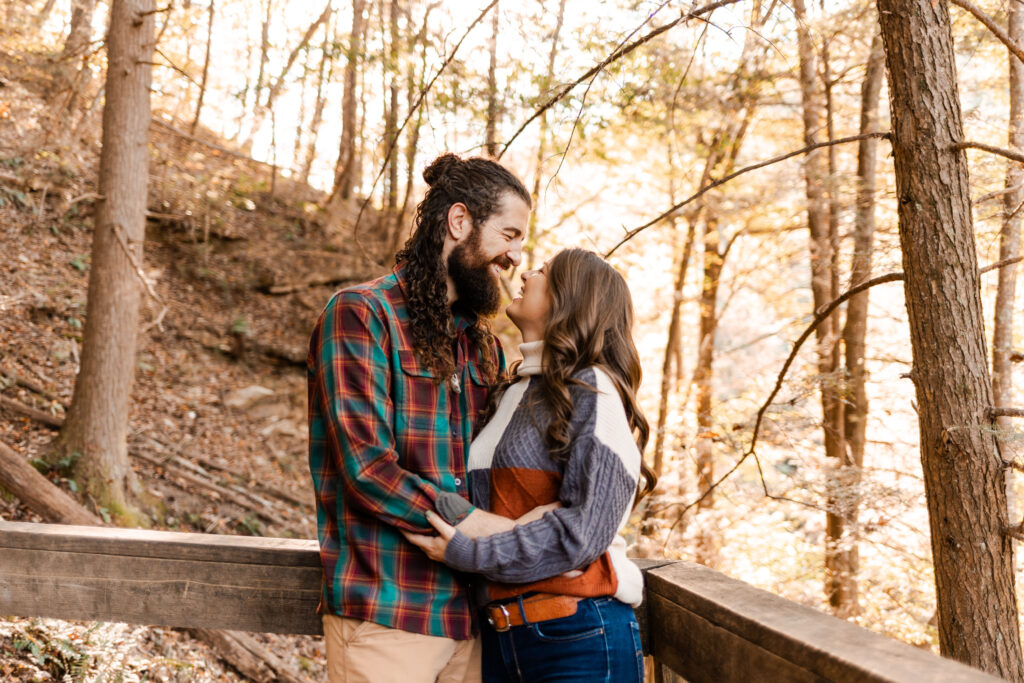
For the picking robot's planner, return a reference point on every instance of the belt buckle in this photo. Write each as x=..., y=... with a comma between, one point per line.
x=508, y=620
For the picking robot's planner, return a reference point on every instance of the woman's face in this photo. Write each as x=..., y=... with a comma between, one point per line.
x=531, y=309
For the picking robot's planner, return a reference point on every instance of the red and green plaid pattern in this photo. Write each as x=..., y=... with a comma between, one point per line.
x=384, y=438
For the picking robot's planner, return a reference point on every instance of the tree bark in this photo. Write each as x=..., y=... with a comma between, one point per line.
x=38, y=493
x=491, y=130
x=847, y=560
x=97, y=422
x=80, y=32
x=1009, y=247
x=703, y=376
x=345, y=172
x=963, y=473
x=822, y=280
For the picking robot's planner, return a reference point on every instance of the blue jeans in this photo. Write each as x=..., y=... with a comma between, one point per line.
x=601, y=642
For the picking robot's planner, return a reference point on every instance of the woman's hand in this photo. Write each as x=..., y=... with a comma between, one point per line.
x=433, y=546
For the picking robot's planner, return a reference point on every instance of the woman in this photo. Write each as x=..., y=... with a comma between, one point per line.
x=565, y=429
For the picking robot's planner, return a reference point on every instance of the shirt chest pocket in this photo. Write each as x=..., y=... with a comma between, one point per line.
x=418, y=399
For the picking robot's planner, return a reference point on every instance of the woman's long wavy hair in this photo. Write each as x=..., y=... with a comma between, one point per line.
x=480, y=184
x=591, y=324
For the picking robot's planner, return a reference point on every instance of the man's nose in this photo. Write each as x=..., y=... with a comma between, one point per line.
x=515, y=252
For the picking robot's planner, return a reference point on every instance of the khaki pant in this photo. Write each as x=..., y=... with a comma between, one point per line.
x=364, y=652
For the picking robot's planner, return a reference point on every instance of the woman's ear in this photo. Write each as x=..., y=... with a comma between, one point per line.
x=460, y=223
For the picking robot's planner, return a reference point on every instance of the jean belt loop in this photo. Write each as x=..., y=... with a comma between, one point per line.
x=522, y=611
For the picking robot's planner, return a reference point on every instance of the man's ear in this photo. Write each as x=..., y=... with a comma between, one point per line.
x=460, y=223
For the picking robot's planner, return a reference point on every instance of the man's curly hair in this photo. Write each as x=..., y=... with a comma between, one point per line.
x=480, y=184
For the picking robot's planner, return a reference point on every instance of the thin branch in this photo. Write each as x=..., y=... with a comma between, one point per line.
x=993, y=413
x=999, y=264
x=412, y=110
x=1009, y=154
x=992, y=26
x=821, y=315
x=170, y=65
x=157, y=322
x=747, y=169
x=614, y=56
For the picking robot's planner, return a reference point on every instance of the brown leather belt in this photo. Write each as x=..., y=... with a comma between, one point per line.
x=539, y=607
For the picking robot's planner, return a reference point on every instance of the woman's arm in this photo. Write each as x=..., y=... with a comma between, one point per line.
x=597, y=489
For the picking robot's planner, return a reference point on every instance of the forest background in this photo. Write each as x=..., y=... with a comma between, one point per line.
x=284, y=155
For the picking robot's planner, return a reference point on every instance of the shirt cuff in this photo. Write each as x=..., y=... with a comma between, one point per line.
x=460, y=551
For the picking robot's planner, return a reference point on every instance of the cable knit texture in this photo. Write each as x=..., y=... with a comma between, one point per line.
x=511, y=472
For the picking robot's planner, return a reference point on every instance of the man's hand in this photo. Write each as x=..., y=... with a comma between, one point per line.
x=537, y=512
x=433, y=546
x=478, y=523
x=481, y=523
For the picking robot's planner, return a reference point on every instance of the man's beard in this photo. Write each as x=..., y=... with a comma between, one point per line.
x=475, y=283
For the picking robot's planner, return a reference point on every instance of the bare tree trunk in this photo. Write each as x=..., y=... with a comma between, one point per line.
x=542, y=136
x=671, y=343
x=97, y=422
x=206, y=70
x=963, y=473
x=491, y=132
x=1009, y=247
x=71, y=76
x=822, y=278
x=301, y=123
x=264, y=56
x=345, y=172
x=44, y=13
x=847, y=560
x=391, y=120
x=703, y=374
x=80, y=32
x=323, y=78
x=260, y=114
x=413, y=86
x=703, y=379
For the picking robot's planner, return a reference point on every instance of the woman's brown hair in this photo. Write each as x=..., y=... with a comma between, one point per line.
x=591, y=325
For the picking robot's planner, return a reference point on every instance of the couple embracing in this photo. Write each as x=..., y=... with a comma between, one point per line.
x=468, y=513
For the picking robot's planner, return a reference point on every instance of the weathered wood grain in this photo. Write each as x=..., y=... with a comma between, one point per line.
x=160, y=544
x=160, y=578
x=702, y=624
x=758, y=621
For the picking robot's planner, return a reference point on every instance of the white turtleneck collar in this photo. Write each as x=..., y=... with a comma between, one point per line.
x=532, y=355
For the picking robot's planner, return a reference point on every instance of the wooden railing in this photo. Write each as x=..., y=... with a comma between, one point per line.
x=700, y=623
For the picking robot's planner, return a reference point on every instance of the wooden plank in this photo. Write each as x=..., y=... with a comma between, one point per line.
x=177, y=593
x=698, y=650
x=811, y=640
x=171, y=545
x=160, y=578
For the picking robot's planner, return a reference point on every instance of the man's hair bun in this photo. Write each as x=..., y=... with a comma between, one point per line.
x=440, y=168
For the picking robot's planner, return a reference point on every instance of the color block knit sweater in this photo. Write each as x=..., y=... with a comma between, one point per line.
x=511, y=472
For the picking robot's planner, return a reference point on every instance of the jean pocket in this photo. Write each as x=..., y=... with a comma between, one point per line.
x=586, y=623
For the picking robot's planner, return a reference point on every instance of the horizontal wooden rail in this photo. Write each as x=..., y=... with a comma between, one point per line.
x=240, y=583
x=698, y=622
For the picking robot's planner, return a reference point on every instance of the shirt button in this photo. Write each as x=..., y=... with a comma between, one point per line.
x=458, y=482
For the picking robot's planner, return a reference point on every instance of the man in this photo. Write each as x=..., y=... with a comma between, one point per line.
x=398, y=370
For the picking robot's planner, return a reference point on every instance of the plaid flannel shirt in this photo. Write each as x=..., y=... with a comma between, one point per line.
x=385, y=437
